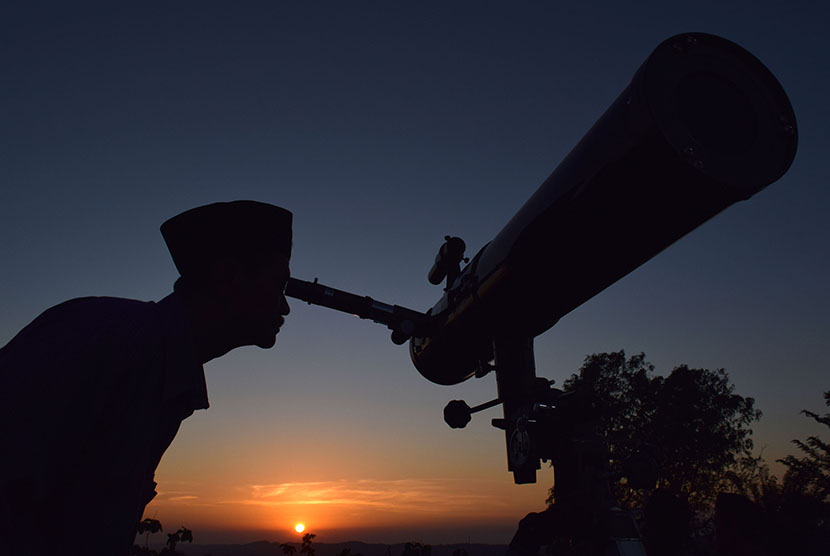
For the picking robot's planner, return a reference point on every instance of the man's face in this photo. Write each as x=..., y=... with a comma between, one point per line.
x=261, y=303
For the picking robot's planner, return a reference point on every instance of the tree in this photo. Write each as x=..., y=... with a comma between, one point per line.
x=752, y=478
x=810, y=473
x=146, y=527
x=797, y=508
x=692, y=418
x=154, y=526
x=288, y=549
x=800, y=506
x=306, y=549
x=416, y=549
x=182, y=535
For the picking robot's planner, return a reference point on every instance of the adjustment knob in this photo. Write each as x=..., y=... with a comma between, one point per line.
x=457, y=414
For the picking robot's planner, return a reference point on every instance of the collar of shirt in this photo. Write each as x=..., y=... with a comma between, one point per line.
x=184, y=382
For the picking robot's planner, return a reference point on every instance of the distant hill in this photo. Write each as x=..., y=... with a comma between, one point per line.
x=265, y=548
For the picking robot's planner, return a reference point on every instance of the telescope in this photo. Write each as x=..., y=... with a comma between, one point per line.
x=702, y=125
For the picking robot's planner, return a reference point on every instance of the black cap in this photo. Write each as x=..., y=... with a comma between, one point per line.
x=248, y=231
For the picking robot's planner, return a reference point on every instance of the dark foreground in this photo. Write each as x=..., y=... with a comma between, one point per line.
x=265, y=548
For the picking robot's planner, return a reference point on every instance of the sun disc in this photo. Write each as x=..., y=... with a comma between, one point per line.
x=299, y=527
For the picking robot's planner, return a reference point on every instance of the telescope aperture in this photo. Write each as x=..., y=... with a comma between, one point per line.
x=719, y=107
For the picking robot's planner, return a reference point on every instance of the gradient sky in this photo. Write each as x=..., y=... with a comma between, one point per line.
x=384, y=127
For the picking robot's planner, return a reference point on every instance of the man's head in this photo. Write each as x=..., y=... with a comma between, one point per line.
x=233, y=260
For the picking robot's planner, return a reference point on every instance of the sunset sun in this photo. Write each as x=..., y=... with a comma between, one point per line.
x=299, y=527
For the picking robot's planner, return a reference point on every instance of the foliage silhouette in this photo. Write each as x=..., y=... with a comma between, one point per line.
x=797, y=509
x=306, y=549
x=416, y=549
x=182, y=535
x=288, y=549
x=148, y=526
x=810, y=474
x=692, y=420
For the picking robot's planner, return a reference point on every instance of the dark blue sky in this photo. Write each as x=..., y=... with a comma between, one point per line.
x=384, y=127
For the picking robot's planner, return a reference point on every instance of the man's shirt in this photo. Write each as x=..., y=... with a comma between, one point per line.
x=92, y=392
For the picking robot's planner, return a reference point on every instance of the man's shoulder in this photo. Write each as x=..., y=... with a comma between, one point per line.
x=87, y=317
x=99, y=303
x=98, y=312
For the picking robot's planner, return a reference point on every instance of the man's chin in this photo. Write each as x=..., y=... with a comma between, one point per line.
x=267, y=341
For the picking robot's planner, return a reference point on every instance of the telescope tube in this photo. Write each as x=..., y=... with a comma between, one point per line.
x=702, y=125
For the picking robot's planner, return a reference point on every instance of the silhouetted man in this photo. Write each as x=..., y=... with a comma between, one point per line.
x=93, y=391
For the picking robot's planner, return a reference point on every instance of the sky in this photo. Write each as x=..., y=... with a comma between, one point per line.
x=385, y=126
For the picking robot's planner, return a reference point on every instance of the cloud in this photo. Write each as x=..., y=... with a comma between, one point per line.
x=424, y=496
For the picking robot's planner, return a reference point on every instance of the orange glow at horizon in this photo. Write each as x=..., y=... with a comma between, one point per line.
x=346, y=504
x=266, y=493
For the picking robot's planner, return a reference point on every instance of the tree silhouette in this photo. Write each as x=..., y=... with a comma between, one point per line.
x=288, y=549
x=810, y=473
x=796, y=510
x=182, y=535
x=148, y=526
x=416, y=549
x=691, y=419
x=172, y=540
x=306, y=549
